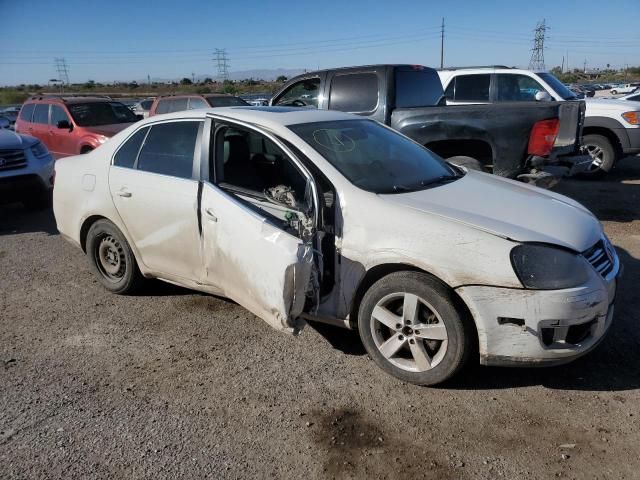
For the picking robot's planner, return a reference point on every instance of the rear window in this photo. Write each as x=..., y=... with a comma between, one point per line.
x=164, y=106
x=179, y=104
x=100, y=113
x=417, y=87
x=27, y=112
x=226, y=102
x=41, y=113
x=355, y=92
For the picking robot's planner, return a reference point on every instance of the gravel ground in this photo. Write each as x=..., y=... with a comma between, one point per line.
x=173, y=383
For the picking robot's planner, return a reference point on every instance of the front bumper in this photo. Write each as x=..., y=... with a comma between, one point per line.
x=541, y=327
x=33, y=178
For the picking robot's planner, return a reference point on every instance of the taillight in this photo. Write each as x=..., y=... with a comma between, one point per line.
x=543, y=136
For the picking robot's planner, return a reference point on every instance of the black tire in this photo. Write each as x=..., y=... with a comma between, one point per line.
x=459, y=328
x=38, y=201
x=601, y=145
x=118, y=270
x=467, y=162
x=614, y=92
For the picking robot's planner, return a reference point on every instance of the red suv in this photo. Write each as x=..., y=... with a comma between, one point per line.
x=177, y=103
x=73, y=125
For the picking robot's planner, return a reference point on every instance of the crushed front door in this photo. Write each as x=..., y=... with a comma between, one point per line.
x=255, y=263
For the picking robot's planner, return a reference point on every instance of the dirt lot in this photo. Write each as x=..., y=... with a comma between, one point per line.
x=177, y=384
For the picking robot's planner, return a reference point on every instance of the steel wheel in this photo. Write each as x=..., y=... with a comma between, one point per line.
x=409, y=332
x=110, y=258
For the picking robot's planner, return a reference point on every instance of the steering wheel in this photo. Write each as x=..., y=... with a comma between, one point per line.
x=298, y=103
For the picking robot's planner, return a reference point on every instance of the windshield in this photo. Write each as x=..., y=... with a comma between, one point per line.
x=557, y=86
x=100, y=113
x=226, y=102
x=375, y=158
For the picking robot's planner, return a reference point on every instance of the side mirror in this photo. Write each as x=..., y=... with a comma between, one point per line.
x=4, y=122
x=543, y=96
x=64, y=124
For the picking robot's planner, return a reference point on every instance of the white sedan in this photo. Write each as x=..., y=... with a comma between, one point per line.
x=299, y=214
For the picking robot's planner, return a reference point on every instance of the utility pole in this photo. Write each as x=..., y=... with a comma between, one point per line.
x=568, y=69
x=193, y=77
x=222, y=62
x=442, y=44
x=148, y=79
x=562, y=67
x=537, y=52
x=63, y=72
x=584, y=67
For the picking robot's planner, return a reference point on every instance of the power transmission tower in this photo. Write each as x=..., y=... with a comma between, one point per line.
x=442, y=44
x=537, y=52
x=63, y=71
x=222, y=63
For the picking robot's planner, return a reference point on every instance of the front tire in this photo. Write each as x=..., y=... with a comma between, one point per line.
x=614, y=92
x=602, y=153
x=112, y=259
x=412, y=327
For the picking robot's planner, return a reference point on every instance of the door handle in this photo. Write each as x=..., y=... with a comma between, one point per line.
x=211, y=215
x=124, y=193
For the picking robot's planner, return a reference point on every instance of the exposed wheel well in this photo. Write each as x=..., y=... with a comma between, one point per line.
x=86, y=149
x=605, y=132
x=84, y=229
x=477, y=149
x=379, y=271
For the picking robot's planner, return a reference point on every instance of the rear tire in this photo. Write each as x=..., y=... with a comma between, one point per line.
x=112, y=259
x=614, y=92
x=469, y=163
x=412, y=327
x=602, y=153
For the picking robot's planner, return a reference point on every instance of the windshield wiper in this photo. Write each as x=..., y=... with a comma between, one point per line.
x=440, y=179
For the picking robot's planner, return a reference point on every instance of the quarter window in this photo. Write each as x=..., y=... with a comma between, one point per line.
x=27, y=112
x=301, y=94
x=179, y=104
x=195, y=102
x=164, y=106
x=357, y=92
x=472, y=88
x=126, y=156
x=41, y=113
x=169, y=149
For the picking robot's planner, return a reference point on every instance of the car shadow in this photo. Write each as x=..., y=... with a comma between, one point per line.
x=15, y=219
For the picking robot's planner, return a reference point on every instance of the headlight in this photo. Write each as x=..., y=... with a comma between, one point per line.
x=39, y=150
x=543, y=267
x=632, y=117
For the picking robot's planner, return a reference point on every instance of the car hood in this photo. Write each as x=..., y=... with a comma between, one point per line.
x=107, y=130
x=606, y=104
x=508, y=209
x=10, y=140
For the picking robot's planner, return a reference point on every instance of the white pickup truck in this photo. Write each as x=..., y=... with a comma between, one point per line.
x=611, y=128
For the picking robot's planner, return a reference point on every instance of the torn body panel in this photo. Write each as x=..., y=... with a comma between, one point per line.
x=263, y=268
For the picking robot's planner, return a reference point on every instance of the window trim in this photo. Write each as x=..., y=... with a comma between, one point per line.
x=68, y=115
x=355, y=112
x=226, y=121
x=490, y=92
x=48, y=105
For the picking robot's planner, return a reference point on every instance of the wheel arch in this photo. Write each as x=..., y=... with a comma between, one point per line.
x=86, y=225
x=481, y=150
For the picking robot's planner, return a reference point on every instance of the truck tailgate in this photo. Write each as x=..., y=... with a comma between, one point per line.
x=571, y=115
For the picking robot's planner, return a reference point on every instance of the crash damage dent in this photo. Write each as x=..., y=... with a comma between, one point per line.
x=538, y=327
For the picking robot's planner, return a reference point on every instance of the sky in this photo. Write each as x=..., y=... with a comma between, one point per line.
x=171, y=39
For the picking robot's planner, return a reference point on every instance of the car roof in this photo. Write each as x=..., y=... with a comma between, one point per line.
x=69, y=100
x=264, y=116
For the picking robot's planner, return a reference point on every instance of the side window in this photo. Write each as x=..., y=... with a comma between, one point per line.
x=251, y=162
x=197, y=102
x=27, y=112
x=517, y=88
x=179, y=104
x=472, y=88
x=356, y=92
x=41, y=113
x=128, y=152
x=169, y=149
x=451, y=88
x=301, y=94
x=164, y=106
x=58, y=115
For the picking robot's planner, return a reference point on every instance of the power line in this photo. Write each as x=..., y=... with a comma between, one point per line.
x=222, y=63
x=537, y=52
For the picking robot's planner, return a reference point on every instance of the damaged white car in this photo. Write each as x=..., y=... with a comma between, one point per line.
x=319, y=215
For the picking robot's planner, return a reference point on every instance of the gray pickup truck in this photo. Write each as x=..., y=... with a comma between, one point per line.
x=536, y=142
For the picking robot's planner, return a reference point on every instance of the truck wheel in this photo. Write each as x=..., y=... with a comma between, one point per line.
x=614, y=92
x=112, y=259
x=602, y=153
x=469, y=163
x=411, y=327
